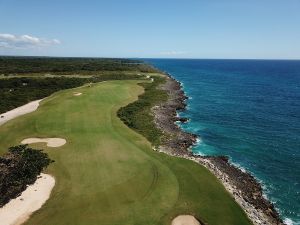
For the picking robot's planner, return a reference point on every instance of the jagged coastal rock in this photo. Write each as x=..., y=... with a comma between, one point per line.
x=182, y=119
x=246, y=190
x=176, y=141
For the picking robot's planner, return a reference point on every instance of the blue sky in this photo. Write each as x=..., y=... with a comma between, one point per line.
x=265, y=29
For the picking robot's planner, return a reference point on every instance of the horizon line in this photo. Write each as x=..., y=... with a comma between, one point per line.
x=192, y=58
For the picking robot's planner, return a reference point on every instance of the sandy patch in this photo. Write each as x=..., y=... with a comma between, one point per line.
x=18, y=210
x=185, y=220
x=51, y=142
x=77, y=93
x=24, y=109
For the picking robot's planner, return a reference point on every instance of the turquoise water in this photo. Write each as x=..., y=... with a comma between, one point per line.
x=248, y=110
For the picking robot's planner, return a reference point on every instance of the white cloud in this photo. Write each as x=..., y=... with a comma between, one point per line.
x=170, y=53
x=25, y=41
x=56, y=41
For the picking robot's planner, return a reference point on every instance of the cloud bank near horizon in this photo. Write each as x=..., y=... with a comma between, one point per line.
x=10, y=41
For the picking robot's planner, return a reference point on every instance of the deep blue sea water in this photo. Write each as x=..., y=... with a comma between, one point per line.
x=248, y=110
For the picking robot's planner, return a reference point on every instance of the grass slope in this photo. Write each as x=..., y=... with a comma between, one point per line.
x=107, y=173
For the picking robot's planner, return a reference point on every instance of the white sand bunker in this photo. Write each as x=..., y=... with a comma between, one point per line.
x=185, y=220
x=24, y=109
x=77, y=93
x=51, y=142
x=18, y=210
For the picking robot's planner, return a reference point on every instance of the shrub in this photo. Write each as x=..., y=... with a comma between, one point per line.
x=138, y=116
x=19, y=168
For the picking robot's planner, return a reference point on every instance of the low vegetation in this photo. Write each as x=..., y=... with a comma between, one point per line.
x=138, y=116
x=19, y=168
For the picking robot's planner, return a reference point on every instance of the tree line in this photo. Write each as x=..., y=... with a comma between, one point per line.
x=21, y=65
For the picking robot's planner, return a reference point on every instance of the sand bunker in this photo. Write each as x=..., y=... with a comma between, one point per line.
x=185, y=220
x=24, y=109
x=77, y=93
x=18, y=210
x=51, y=142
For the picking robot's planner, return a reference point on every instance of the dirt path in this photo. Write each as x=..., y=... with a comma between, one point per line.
x=24, y=109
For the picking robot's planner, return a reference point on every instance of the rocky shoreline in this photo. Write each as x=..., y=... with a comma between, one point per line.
x=245, y=189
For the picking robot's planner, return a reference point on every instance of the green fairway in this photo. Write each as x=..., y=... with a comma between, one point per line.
x=107, y=173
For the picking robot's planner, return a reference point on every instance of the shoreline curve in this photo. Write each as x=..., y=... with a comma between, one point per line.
x=248, y=194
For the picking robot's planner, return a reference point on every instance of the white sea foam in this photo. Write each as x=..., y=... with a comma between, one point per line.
x=197, y=144
x=238, y=166
x=266, y=189
x=199, y=153
x=288, y=221
x=198, y=141
x=177, y=123
x=262, y=184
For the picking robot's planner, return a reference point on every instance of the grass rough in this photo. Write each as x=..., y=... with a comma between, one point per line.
x=138, y=116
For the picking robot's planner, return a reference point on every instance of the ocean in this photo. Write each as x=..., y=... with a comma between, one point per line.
x=248, y=110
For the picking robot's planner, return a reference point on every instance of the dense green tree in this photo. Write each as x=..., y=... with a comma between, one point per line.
x=18, y=168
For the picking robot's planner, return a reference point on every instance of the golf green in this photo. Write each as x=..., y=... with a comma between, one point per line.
x=108, y=174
